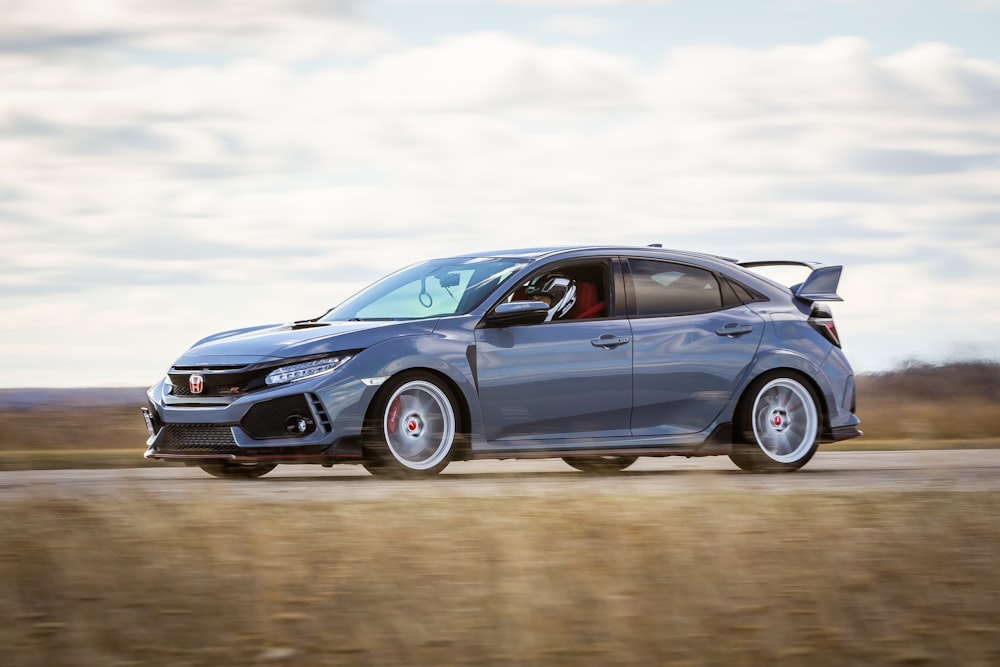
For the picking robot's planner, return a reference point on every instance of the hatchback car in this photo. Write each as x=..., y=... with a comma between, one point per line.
x=597, y=355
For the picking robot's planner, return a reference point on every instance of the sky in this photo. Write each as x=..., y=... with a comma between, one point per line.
x=172, y=169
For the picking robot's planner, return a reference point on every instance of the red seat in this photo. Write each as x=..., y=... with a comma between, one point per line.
x=588, y=303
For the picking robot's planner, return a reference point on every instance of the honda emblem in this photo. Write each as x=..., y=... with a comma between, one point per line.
x=196, y=383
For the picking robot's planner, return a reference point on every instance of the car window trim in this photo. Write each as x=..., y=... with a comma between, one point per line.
x=632, y=301
x=615, y=294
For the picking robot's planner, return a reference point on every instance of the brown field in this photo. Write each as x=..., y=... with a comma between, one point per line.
x=860, y=579
x=925, y=403
x=88, y=437
x=887, y=578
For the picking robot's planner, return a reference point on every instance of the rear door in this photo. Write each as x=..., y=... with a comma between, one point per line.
x=693, y=341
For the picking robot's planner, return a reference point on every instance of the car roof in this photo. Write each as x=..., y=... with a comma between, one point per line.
x=724, y=264
x=553, y=251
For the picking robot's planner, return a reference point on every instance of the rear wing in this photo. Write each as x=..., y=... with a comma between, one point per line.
x=821, y=285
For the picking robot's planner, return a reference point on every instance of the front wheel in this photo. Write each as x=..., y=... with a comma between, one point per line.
x=234, y=469
x=413, y=429
x=777, y=425
x=600, y=465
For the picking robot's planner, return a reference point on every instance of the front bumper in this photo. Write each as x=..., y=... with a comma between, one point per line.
x=840, y=433
x=307, y=422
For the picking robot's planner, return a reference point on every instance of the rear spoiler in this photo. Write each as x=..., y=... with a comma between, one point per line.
x=821, y=285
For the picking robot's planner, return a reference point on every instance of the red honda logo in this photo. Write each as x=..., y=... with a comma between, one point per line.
x=196, y=383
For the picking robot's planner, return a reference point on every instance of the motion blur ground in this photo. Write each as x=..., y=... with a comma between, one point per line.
x=880, y=558
x=563, y=578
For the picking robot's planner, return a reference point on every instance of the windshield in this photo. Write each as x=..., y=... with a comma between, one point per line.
x=429, y=289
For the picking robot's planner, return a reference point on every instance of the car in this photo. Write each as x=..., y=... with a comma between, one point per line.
x=596, y=355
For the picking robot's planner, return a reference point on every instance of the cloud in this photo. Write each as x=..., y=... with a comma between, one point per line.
x=588, y=3
x=491, y=71
x=278, y=29
x=916, y=162
x=162, y=200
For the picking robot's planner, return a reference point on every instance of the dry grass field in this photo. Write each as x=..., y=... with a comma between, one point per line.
x=88, y=437
x=924, y=403
x=844, y=579
x=887, y=578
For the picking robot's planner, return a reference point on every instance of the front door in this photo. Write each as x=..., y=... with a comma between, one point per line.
x=555, y=380
x=568, y=378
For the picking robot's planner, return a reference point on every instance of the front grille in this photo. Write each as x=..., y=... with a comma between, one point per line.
x=224, y=389
x=218, y=380
x=197, y=439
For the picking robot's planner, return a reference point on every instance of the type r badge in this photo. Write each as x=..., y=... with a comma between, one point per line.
x=196, y=383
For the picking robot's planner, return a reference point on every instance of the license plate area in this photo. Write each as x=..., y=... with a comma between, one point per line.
x=147, y=416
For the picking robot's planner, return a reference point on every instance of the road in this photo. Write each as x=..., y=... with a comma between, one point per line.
x=828, y=472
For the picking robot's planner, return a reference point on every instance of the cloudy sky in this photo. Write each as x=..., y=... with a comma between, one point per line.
x=170, y=169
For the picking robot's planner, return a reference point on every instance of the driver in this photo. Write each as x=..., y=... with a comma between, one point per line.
x=558, y=292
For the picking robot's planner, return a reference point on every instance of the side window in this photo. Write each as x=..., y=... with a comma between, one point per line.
x=665, y=288
x=744, y=293
x=578, y=291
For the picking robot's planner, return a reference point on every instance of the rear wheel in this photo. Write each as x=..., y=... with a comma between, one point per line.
x=413, y=428
x=600, y=465
x=234, y=469
x=777, y=425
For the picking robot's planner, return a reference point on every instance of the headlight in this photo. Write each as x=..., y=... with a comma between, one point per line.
x=306, y=369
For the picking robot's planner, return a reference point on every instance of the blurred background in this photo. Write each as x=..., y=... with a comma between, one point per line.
x=174, y=169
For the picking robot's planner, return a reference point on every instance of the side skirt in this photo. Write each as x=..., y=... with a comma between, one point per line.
x=719, y=442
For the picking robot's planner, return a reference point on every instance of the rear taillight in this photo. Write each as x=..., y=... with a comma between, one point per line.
x=821, y=320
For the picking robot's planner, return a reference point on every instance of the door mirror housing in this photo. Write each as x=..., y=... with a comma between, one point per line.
x=518, y=312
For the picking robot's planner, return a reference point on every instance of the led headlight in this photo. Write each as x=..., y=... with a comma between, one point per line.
x=305, y=369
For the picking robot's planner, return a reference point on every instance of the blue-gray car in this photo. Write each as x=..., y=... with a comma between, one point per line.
x=597, y=355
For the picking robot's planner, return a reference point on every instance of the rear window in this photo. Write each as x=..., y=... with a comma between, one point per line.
x=665, y=288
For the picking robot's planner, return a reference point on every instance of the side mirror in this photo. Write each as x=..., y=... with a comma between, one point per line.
x=518, y=312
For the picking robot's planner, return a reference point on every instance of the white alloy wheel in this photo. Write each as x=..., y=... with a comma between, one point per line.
x=419, y=426
x=777, y=424
x=785, y=420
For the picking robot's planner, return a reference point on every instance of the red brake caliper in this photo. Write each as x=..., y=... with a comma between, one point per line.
x=392, y=419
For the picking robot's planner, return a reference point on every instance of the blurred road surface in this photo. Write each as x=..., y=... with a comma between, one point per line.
x=828, y=472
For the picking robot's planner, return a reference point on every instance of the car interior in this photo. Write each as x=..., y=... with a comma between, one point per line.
x=591, y=290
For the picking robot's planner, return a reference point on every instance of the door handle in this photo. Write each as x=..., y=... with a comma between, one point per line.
x=608, y=341
x=734, y=329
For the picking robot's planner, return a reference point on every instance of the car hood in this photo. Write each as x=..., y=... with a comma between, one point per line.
x=276, y=342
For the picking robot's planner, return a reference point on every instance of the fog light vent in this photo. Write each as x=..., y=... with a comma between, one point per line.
x=288, y=416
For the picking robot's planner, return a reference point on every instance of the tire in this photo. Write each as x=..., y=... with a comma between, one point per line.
x=413, y=427
x=600, y=465
x=235, y=470
x=777, y=424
